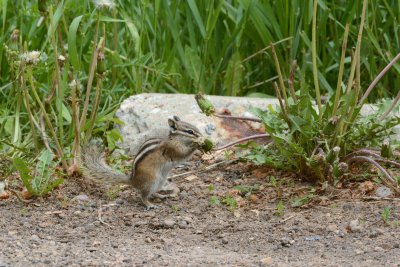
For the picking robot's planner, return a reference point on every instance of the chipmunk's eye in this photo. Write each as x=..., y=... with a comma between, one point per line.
x=189, y=131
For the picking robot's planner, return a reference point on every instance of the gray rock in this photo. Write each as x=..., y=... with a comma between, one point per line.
x=145, y=116
x=286, y=242
x=81, y=198
x=2, y=186
x=313, y=238
x=168, y=223
x=3, y=263
x=383, y=191
x=183, y=224
x=359, y=251
x=355, y=226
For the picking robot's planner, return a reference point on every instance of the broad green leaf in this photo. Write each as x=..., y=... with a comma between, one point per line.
x=197, y=17
x=56, y=18
x=65, y=113
x=194, y=66
x=234, y=75
x=72, y=47
x=20, y=165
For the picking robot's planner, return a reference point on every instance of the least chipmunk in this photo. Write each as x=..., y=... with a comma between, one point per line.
x=155, y=158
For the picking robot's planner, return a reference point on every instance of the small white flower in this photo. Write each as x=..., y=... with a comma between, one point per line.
x=75, y=84
x=100, y=4
x=33, y=57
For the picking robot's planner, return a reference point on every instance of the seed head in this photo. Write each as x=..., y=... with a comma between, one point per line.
x=104, y=4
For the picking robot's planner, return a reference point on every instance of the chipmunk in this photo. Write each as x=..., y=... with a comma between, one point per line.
x=155, y=158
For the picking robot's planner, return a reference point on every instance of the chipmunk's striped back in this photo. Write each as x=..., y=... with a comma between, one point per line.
x=147, y=147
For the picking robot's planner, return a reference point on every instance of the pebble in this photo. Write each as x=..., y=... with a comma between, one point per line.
x=313, y=238
x=355, y=226
x=168, y=223
x=183, y=224
x=286, y=242
x=82, y=197
x=140, y=223
x=188, y=219
x=120, y=201
x=378, y=249
x=2, y=186
x=375, y=233
x=359, y=251
x=332, y=227
x=35, y=238
x=266, y=261
x=383, y=191
x=224, y=241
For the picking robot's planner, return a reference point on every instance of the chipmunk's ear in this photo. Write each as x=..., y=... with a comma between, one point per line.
x=176, y=118
x=172, y=124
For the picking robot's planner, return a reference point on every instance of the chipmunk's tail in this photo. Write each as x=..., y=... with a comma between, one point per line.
x=93, y=166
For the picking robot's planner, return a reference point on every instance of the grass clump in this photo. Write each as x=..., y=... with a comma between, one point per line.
x=320, y=140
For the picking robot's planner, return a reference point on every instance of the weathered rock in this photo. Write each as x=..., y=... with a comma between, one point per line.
x=145, y=116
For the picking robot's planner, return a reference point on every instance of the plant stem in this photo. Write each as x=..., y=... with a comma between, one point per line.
x=314, y=60
x=372, y=161
x=358, y=47
x=278, y=95
x=75, y=121
x=115, y=47
x=394, y=103
x=95, y=106
x=46, y=117
x=90, y=82
x=291, y=81
x=28, y=107
x=341, y=69
x=278, y=70
x=266, y=48
x=376, y=80
x=58, y=78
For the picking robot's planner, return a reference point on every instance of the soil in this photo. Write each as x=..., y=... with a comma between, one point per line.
x=82, y=224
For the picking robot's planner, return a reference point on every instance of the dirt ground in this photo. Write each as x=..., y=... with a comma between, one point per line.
x=230, y=216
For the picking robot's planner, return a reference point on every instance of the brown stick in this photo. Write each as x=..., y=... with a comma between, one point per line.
x=257, y=136
x=376, y=164
x=380, y=75
x=237, y=117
